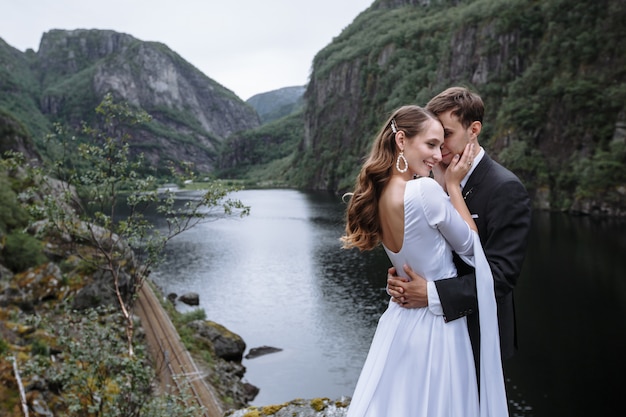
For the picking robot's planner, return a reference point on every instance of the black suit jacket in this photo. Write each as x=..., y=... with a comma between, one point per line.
x=501, y=209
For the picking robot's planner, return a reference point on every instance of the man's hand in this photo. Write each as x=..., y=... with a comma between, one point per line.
x=409, y=294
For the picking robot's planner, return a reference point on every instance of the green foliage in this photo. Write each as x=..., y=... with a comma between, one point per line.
x=187, y=335
x=526, y=162
x=19, y=89
x=11, y=129
x=4, y=346
x=604, y=168
x=94, y=375
x=12, y=214
x=551, y=74
x=274, y=105
x=22, y=251
x=189, y=316
x=274, y=174
x=245, y=153
x=76, y=93
x=39, y=347
x=572, y=99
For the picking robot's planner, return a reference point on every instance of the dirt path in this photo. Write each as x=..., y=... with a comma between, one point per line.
x=174, y=365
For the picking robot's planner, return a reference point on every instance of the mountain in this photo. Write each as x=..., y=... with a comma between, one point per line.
x=73, y=70
x=263, y=155
x=275, y=104
x=552, y=75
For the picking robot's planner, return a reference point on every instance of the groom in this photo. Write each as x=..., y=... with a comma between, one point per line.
x=500, y=207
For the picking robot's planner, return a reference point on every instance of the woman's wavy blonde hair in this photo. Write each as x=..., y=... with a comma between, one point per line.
x=363, y=229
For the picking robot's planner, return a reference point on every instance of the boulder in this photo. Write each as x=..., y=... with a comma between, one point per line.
x=226, y=344
x=262, y=350
x=230, y=383
x=191, y=298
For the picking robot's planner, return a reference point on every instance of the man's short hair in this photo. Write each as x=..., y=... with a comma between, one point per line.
x=466, y=105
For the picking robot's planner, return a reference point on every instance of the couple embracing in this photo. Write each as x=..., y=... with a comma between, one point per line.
x=454, y=224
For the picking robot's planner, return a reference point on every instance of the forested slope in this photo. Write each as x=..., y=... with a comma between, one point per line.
x=552, y=74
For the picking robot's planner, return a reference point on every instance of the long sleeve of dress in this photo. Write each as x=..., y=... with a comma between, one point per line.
x=442, y=215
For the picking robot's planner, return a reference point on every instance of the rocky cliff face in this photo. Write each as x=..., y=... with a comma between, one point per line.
x=192, y=114
x=553, y=84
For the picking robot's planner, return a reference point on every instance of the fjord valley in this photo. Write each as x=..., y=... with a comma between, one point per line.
x=552, y=75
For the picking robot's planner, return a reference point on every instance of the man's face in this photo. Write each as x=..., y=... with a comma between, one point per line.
x=455, y=137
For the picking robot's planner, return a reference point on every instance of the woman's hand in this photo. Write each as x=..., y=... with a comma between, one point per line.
x=460, y=166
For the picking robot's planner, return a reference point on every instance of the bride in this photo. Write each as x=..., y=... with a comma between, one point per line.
x=418, y=365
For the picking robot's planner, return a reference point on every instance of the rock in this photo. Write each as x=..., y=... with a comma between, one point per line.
x=37, y=285
x=191, y=298
x=100, y=290
x=5, y=274
x=317, y=407
x=231, y=385
x=260, y=351
x=38, y=404
x=184, y=101
x=226, y=344
x=171, y=297
x=250, y=391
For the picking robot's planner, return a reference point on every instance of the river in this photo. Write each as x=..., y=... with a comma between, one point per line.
x=279, y=278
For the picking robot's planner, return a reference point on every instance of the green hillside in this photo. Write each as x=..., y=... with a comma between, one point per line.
x=552, y=74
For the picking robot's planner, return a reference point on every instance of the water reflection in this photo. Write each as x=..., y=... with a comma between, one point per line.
x=571, y=310
x=279, y=278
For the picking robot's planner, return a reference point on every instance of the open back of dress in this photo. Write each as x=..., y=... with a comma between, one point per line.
x=419, y=365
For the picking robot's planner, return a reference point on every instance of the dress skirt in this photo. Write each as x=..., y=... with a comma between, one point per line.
x=417, y=366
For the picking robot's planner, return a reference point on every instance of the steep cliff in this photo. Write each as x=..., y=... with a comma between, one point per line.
x=551, y=73
x=192, y=114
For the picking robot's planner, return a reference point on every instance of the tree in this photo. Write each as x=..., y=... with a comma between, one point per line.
x=98, y=174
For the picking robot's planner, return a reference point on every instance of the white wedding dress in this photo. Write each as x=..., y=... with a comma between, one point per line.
x=418, y=365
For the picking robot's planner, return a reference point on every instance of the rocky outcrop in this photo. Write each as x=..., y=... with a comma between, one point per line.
x=64, y=53
x=151, y=76
x=227, y=349
x=316, y=407
x=226, y=344
x=31, y=288
x=190, y=298
x=74, y=69
x=41, y=291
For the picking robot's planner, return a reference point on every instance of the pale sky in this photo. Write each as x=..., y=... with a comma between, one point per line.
x=248, y=46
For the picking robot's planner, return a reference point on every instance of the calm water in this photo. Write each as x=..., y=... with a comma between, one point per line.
x=279, y=278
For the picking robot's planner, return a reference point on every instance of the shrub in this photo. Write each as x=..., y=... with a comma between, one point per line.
x=22, y=251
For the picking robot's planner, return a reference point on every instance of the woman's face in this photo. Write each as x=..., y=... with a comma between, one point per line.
x=423, y=151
